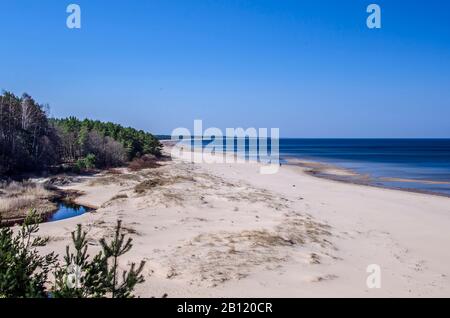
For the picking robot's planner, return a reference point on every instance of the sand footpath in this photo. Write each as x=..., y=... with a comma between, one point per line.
x=225, y=230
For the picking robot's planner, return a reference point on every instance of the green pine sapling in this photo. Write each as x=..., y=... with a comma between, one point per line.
x=99, y=277
x=23, y=271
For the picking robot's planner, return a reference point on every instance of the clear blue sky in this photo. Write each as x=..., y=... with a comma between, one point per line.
x=311, y=68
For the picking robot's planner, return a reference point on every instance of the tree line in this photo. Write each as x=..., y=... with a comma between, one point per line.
x=30, y=140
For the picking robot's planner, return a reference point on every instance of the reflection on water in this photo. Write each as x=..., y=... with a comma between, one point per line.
x=67, y=210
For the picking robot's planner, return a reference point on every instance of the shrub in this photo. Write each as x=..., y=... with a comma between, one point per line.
x=98, y=277
x=86, y=163
x=24, y=272
x=144, y=162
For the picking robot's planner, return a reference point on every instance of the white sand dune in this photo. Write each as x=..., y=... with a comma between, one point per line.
x=225, y=230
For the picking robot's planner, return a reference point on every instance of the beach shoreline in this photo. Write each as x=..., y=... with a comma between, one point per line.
x=225, y=230
x=329, y=171
x=335, y=173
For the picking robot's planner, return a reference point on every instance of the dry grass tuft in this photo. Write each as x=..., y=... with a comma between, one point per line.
x=158, y=180
x=17, y=198
x=147, y=185
x=218, y=257
x=120, y=179
x=119, y=196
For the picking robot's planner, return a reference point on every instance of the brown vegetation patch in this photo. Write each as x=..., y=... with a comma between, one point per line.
x=144, y=162
x=119, y=179
x=18, y=198
x=61, y=180
x=158, y=180
x=114, y=171
x=119, y=197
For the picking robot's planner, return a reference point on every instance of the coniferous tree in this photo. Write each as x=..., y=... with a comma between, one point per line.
x=118, y=247
x=99, y=277
x=107, y=141
x=23, y=271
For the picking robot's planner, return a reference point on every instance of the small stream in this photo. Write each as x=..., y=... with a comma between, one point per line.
x=67, y=210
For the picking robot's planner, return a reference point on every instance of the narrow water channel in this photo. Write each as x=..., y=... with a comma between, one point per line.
x=67, y=210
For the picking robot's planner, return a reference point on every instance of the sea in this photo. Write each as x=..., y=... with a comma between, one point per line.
x=410, y=164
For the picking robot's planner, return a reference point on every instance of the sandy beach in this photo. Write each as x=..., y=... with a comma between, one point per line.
x=225, y=230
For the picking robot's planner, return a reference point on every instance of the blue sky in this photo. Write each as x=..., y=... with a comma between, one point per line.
x=311, y=68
